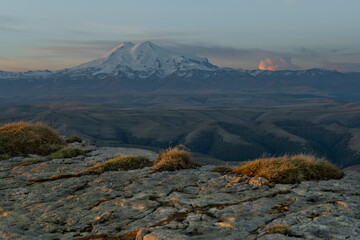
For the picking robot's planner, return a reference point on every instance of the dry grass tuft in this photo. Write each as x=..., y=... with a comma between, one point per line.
x=223, y=169
x=74, y=139
x=278, y=229
x=67, y=152
x=54, y=178
x=315, y=215
x=290, y=169
x=21, y=138
x=127, y=162
x=174, y=159
x=280, y=208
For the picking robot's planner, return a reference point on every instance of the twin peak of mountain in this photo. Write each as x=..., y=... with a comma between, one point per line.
x=145, y=57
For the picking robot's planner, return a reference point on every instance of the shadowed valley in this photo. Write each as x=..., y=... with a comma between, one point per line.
x=211, y=126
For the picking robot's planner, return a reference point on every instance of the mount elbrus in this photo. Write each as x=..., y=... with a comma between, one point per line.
x=146, y=67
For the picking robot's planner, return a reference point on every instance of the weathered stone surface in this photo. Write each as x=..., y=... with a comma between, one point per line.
x=258, y=181
x=187, y=204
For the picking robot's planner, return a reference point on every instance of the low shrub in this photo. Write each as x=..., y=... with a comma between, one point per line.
x=74, y=139
x=21, y=138
x=279, y=228
x=174, y=159
x=126, y=162
x=290, y=169
x=67, y=152
x=223, y=169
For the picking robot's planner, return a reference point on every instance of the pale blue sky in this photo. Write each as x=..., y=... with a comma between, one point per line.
x=53, y=34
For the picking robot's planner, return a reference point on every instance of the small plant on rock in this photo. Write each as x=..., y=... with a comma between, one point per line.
x=223, y=169
x=127, y=162
x=74, y=139
x=290, y=169
x=174, y=159
x=67, y=152
x=22, y=138
x=279, y=228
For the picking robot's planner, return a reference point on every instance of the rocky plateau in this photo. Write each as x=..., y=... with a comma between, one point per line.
x=186, y=204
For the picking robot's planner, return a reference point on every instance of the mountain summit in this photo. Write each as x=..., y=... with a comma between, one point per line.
x=147, y=58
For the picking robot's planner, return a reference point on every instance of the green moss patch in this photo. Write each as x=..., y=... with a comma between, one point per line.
x=67, y=152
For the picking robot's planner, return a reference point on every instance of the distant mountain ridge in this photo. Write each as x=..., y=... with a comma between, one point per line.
x=146, y=67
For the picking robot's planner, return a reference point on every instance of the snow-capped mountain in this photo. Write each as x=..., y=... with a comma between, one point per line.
x=145, y=58
x=146, y=67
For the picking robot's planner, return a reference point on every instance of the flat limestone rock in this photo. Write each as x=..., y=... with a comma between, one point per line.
x=187, y=204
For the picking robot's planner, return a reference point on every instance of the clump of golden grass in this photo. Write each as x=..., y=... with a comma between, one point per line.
x=173, y=159
x=67, y=152
x=126, y=162
x=279, y=228
x=223, y=169
x=74, y=139
x=290, y=169
x=21, y=138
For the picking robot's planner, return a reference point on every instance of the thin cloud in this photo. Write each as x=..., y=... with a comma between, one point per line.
x=89, y=43
x=128, y=31
x=9, y=24
x=228, y=56
x=65, y=51
x=342, y=67
x=13, y=65
x=92, y=28
x=220, y=51
x=290, y=2
x=30, y=63
x=322, y=54
x=308, y=53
